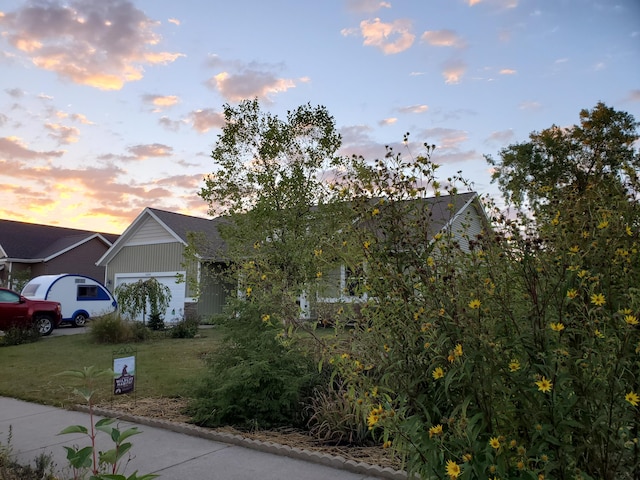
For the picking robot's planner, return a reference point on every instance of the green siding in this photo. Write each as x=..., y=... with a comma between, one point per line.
x=161, y=257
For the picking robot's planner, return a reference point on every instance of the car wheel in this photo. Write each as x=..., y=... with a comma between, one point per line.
x=44, y=324
x=80, y=320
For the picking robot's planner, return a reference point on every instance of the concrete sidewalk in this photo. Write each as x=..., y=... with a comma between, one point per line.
x=175, y=451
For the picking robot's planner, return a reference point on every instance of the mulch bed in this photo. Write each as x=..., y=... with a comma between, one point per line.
x=170, y=409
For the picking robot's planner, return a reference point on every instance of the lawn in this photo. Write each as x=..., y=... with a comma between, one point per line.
x=164, y=366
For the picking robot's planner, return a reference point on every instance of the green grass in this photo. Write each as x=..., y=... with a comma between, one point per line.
x=164, y=366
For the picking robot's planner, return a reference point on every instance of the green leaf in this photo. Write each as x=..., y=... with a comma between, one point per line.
x=79, y=459
x=74, y=429
x=129, y=433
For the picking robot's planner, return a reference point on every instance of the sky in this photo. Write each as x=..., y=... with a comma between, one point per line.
x=111, y=106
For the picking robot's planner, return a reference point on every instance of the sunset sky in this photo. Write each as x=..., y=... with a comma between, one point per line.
x=111, y=106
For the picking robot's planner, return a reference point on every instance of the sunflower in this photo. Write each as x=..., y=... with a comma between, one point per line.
x=453, y=469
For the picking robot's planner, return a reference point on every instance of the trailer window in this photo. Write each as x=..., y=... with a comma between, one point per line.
x=92, y=292
x=87, y=292
x=30, y=289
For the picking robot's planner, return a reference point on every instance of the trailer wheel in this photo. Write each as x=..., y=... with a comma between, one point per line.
x=44, y=324
x=80, y=320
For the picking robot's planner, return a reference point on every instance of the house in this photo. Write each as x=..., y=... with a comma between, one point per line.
x=28, y=250
x=462, y=216
x=154, y=245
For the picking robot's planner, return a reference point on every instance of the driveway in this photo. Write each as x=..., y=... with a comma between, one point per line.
x=68, y=330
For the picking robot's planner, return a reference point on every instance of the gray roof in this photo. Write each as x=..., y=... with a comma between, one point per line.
x=30, y=241
x=182, y=225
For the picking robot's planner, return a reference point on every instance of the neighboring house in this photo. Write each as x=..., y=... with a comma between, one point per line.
x=28, y=250
x=154, y=246
x=461, y=216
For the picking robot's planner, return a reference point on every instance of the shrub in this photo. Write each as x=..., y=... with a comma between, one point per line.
x=185, y=328
x=139, y=333
x=20, y=335
x=110, y=328
x=257, y=379
x=155, y=322
x=335, y=417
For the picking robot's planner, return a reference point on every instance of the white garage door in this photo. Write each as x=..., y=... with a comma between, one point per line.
x=176, y=307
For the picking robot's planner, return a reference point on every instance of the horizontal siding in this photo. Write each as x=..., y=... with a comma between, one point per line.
x=163, y=257
x=150, y=232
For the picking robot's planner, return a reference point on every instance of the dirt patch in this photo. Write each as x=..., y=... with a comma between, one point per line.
x=171, y=409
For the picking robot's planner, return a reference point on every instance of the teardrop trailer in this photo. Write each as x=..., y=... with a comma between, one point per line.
x=81, y=297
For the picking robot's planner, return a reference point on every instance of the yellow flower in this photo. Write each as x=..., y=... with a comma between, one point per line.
x=598, y=299
x=514, y=365
x=263, y=277
x=494, y=442
x=375, y=212
x=319, y=275
x=583, y=273
x=467, y=457
x=603, y=224
x=386, y=444
x=344, y=356
x=574, y=249
x=430, y=261
x=451, y=358
x=598, y=333
x=627, y=229
x=544, y=385
x=374, y=416
x=317, y=252
x=366, y=245
x=632, y=398
x=453, y=469
x=249, y=290
x=557, y=327
x=571, y=294
x=631, y=319
x=386, y=347
x=438, y=373
x=435, y=431
x=266, y=317
x=427, y=345
x=458, y=350
x=475, y=304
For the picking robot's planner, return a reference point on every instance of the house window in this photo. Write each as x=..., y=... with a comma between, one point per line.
x=354, y=280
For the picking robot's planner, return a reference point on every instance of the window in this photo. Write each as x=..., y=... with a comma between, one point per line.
x=87, y=292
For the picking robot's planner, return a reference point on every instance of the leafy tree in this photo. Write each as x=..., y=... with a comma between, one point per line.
x=135, y=298
x=568, y=162
x=271, y=184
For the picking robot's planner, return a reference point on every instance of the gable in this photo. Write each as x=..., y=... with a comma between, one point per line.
x=150, y=232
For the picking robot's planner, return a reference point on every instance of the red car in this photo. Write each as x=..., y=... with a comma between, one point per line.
x=18, y=311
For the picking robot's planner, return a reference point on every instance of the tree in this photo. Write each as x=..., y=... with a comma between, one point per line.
x=582, y=186
x=567, y=162
x=271, y=183
x=134, y=298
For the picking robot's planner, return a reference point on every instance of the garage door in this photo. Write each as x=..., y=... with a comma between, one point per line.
x=176, y=307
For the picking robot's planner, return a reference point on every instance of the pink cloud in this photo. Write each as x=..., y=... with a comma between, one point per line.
x=366, y=6
x=249, y=84
x=102, y=44
x=206, y=119
x=12, y=147
x=443, y=38
x=391, y=38
x=142, y=152
x=62, y=134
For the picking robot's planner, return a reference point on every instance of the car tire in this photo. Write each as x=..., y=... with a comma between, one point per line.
x=44, y=324
x=80, y=320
